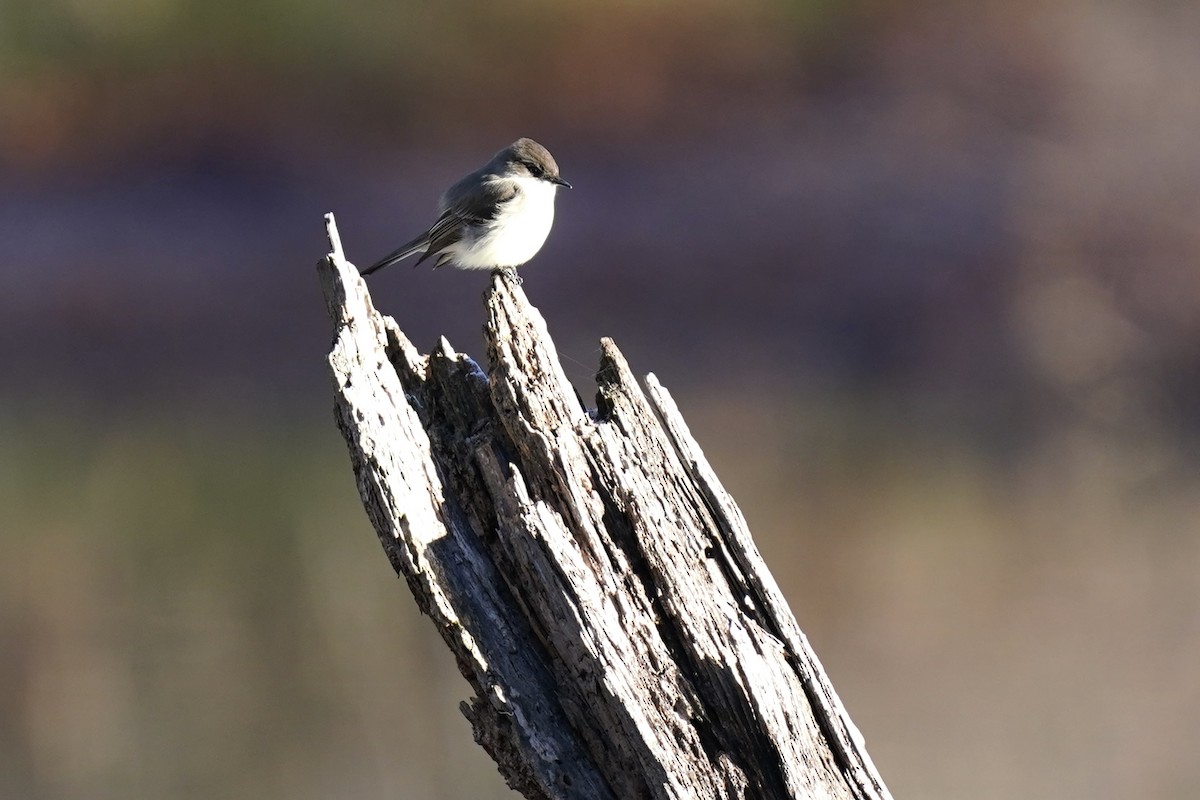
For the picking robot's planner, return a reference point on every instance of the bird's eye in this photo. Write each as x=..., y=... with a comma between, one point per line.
x=534, y=169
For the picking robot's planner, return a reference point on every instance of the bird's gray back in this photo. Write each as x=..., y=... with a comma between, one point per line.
x=461, y=191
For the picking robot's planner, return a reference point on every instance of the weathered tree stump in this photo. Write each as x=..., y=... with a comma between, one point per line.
x=598, y=587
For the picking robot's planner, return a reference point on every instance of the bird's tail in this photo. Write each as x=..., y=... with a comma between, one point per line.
x=415, y=246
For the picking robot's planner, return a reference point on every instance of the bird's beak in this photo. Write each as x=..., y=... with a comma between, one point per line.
x=560, y=182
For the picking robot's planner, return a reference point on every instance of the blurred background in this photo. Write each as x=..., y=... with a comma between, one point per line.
x=923, y=276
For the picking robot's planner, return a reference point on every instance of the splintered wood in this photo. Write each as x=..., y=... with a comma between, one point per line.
x=599, y=588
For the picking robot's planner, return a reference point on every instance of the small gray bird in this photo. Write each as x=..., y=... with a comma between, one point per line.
x=496, y=218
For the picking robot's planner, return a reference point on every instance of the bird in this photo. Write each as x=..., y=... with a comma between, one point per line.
x=495, y=218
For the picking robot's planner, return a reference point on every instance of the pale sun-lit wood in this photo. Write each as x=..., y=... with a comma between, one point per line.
x=599, y=588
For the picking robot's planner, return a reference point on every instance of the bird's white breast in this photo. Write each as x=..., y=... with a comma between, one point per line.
x=517, y=233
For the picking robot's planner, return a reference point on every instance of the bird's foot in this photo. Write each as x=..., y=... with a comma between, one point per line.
x=511, y=274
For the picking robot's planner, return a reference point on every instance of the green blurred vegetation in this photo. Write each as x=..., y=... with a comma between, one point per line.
x=197, y=606
x=197, y=609
x=364, y=32
x=102, y=79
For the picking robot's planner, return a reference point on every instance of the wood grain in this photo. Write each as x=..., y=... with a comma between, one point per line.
x=599, y=588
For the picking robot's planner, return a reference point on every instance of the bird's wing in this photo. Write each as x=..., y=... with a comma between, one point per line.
x=466, y=207
x=466, y=203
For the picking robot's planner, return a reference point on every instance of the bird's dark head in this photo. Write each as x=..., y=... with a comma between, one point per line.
x=527, y=157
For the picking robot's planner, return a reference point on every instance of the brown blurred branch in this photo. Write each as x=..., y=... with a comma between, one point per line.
x=598, y=586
